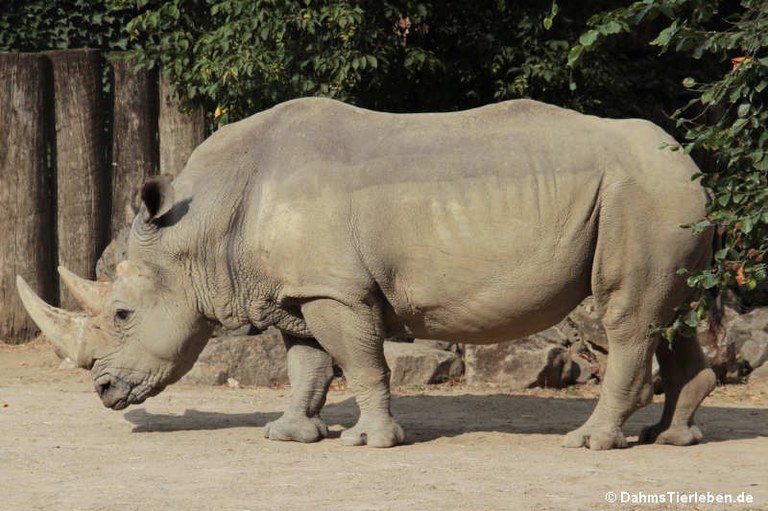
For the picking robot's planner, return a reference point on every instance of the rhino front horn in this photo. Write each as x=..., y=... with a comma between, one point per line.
x=89, y=294
x=69, y=332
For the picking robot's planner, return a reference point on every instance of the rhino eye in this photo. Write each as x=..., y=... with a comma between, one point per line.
x=123, y=314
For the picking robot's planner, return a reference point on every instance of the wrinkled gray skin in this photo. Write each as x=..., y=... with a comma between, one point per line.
x=342, y=227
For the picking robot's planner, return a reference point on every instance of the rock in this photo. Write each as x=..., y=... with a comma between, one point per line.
x=591, y=335
x=754, y=352
x=540, y=359
x=584, y=370
x=559, y=371
x=418, y=364
x=253, y=360
x=749, y=333
x=744, y=300
x=222, y=331
x=203, y=373
x=116, y=251
x=740, y=346
x=591, y=361
x=759, y=375
x=438, y=345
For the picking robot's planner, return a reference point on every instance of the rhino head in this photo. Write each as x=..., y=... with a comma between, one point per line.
x=139, y=333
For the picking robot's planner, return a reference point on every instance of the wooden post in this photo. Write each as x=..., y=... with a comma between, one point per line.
x=180, y=132
x=134, y=139
x=82, y=173
x=26, y=202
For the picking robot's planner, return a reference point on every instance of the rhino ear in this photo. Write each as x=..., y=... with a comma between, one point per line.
x=157, y=197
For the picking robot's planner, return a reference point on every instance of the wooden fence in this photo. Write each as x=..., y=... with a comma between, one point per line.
x=71, y=161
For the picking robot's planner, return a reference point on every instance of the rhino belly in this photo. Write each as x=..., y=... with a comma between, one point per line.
x=477, y=312
x=479, y=263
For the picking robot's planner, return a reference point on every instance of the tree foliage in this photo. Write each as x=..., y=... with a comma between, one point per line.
x=241, y=56
x=38, y=25
x=236, y=57
x=725, y=119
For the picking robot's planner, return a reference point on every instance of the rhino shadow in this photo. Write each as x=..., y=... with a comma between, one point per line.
x=427, y=417
x=195, y=420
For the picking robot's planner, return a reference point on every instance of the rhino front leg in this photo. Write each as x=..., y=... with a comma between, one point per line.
x=354, y=337
x=310, y=370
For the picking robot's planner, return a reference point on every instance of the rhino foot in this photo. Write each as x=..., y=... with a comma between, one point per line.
x=674, y=435
x=297, y=428
x=597, y=439
x=378, y=433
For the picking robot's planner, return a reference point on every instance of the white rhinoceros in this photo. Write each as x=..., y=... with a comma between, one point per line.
x=342, y=227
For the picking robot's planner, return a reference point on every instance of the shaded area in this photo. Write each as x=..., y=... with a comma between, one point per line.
x=426, y=418
x=195, y=420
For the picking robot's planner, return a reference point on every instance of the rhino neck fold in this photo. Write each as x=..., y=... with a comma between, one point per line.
x=223, y=295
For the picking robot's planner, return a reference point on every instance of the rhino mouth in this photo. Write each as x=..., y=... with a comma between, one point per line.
x=117, y=393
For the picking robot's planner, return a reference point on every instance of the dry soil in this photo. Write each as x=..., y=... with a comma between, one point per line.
x=202, y=448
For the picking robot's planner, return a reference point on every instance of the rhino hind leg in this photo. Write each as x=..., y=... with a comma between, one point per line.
x=310, y=370
x=628, y=307
x=354, y=336
x=627, y=387
x=687, y=381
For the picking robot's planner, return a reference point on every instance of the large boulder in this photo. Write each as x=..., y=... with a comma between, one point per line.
x=759, y=375
x=572, y=352
x=739, y=346
x=749, y=333
x=254, y=360
x=420, y=363
x=542, y=359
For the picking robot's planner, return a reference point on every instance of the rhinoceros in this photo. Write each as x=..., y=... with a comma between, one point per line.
x=342, y=227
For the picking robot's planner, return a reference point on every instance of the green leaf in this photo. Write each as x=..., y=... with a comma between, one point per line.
x=738, y=125
x=747, y=223
x=721, y=254
x=551, y=16
x=612, y=27
x=691, y=319
x=743, y=110
x=574, y=55
x=587, y=39
x=666, y=35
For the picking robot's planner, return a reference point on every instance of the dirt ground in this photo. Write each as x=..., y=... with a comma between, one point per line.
x=202, y=448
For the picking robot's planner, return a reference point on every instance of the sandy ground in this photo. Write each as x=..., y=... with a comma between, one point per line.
x=482, y=449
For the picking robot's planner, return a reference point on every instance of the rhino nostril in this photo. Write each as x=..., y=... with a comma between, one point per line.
x=103, y=388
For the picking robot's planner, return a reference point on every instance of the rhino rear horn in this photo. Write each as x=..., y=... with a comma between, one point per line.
x=90, y=294
x=71, y=333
